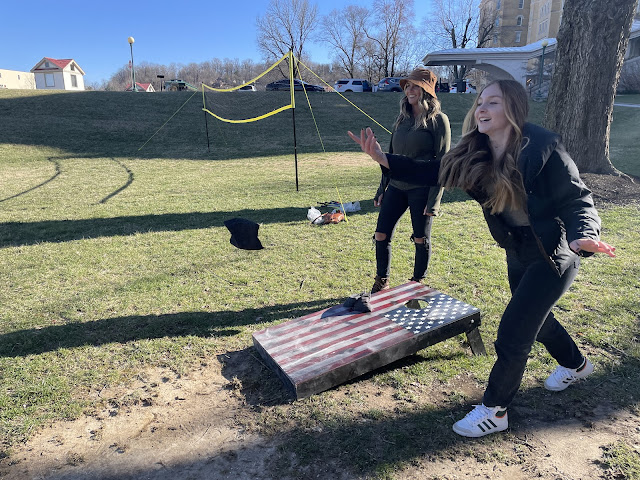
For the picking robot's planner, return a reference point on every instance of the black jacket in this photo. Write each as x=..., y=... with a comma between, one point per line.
x=559, y=205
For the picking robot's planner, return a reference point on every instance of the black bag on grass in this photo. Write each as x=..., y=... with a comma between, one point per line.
x=244, y=233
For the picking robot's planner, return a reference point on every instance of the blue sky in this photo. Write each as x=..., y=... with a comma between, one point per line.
x=94, y=33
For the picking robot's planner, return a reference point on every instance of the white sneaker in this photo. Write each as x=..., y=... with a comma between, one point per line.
x=482, y=421
x=562, y=377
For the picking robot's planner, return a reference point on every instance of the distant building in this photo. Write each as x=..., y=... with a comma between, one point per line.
x=17, y=80
x=511, y=22
x=142, y=87
x=521, y=22
x=53, y=74
x=544, y=19
x=522, y=43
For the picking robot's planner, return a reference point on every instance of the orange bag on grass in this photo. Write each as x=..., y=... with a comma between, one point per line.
x=332, y=217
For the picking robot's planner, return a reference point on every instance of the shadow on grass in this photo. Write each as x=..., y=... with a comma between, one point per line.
x=14, y=234
x=261, y=385
x=29, y=233
x=136, y=327
x=117, y=124
x=126, y=185
x=57, y=172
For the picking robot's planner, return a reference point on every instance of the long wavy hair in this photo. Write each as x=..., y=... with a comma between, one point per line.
x=428, y=108
x=470, y=165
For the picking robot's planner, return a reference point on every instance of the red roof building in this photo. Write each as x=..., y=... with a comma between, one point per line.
x=142, y=87
x=54, y=74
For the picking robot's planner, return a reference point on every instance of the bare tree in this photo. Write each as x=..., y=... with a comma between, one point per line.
x=119, y=80
x=393, y=35
x=486, y=26
x=286, y=26
x=344, y=31
x=580, y=103
x=457, y=24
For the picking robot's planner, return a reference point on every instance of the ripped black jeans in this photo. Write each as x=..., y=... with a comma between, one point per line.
x=535, y=289
x=394, y=203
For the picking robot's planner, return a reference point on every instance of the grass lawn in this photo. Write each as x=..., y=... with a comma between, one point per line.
x=115, y=260
x=628, y=98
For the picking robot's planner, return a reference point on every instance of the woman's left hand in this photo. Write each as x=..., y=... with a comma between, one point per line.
x=370, y=146
x=594, y=246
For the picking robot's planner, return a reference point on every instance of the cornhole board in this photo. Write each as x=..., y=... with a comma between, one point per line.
x=327, y=348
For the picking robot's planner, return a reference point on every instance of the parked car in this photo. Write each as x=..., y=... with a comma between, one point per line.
x=352, y=85
x=247, y=88
x=298, y=85
x=442, y=87
x=390, y=84
x=469, y=89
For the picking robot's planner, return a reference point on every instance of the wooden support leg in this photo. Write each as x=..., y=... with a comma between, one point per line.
x=475, y=341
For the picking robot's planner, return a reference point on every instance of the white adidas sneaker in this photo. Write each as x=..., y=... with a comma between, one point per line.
x=482, y=421
x=562, y=377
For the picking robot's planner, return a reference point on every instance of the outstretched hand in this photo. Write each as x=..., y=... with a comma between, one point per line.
x=370, y=146
x=594, y=246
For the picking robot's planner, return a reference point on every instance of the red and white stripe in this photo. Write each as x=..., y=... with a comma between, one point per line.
x=323, y=341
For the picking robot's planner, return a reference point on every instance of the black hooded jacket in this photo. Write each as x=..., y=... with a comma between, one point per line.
x=559, y=205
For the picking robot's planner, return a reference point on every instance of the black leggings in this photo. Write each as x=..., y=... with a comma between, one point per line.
x=535, y=289
x=394, y=203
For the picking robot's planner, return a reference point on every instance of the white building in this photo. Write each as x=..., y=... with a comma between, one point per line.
x=17, y=80
x=53, y=74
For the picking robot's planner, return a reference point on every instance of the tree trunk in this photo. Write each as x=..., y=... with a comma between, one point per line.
x=591, y=45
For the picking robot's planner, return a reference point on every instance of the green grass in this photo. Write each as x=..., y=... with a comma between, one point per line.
x=116, y=260
x=628, y=98
x=622, y=461
x=624, y=143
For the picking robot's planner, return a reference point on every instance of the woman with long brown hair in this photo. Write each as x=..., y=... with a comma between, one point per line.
x=537, y=209
x=420, y=131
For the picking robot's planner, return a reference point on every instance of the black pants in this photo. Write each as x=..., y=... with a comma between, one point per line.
x=394, y=203
x=535, y=288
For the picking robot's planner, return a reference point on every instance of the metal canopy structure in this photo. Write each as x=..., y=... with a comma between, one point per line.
x=504, y=62
x=512, y=62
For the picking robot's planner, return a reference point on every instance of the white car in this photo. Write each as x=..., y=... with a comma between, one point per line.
x=352, y=85
x=470, y=89
x=247, y=88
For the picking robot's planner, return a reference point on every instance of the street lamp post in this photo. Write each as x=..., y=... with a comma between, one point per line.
x=134, y=87
x=544, y=46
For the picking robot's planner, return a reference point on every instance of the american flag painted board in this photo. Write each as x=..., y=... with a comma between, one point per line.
x=323, y=349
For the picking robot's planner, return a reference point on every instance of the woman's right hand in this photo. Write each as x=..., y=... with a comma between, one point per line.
x=378, y=201
x=370, y=146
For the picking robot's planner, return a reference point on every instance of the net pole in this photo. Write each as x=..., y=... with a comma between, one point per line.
x=206, y=127
x=293, y=115
x=206, y=123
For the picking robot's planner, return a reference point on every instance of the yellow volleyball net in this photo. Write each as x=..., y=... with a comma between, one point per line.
x=232, y=111
x=235, y=108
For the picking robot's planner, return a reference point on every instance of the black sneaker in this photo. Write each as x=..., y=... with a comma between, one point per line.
x=380, y=283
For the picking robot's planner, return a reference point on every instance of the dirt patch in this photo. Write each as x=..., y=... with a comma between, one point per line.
x=178, y=427
x=195, y=427
x=613, y=190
